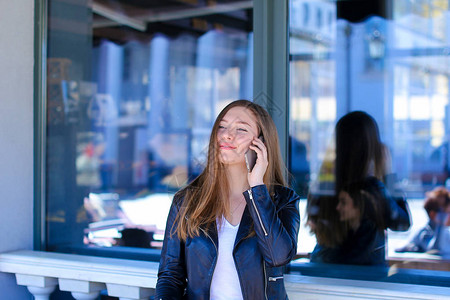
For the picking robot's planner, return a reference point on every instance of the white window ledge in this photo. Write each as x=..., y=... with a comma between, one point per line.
x=306, y=287
x=86, y=276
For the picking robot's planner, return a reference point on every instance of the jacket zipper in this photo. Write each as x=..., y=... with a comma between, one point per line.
x=275, y=278
x=265, y=280
x=250, y=193
x=215, y=260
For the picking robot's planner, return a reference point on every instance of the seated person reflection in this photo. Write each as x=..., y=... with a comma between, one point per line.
x=350, y=225
x=443, y=236
x=440, y=243
x=435, y=204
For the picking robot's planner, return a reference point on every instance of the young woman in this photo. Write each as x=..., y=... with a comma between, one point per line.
x=230, y=232
x=350, y=226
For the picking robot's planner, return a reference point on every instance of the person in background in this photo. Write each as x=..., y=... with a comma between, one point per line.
x=231, y=231
x=435, y=203
x=350, y=224
x=442, y=244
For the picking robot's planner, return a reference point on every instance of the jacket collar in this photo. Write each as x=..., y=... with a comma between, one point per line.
x=244, y=229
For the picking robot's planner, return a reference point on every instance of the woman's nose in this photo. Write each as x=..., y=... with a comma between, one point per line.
x=227, y=134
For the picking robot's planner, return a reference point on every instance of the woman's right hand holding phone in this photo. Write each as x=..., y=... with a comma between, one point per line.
x=256, y=175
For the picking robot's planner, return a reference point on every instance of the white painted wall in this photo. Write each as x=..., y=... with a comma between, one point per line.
x=16, y=134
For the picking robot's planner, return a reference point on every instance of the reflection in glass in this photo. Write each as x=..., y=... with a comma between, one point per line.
x=131, y=101
x=349, y=220
x=432, y=237
x=392, y=65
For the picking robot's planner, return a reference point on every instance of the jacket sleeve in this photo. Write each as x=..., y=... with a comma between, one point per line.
x=397, y=214
x=172, y=271
x=276, y=226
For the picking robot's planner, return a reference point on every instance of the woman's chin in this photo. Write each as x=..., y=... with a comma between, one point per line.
x=231, y=162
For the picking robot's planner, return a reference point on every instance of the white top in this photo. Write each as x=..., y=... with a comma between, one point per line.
x=225, y=281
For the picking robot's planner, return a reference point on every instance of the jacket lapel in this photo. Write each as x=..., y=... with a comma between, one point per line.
x=244, y=227
x=212, y=232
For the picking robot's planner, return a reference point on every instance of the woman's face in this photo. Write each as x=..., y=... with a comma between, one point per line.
x=346, y=209
x=236, y=131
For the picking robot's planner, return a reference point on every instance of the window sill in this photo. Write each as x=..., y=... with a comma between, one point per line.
x=377, y=274
x=81, y=275
x=86, y=276
x=306, y=287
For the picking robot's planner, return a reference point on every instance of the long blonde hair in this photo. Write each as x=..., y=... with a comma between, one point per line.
x=205, y=198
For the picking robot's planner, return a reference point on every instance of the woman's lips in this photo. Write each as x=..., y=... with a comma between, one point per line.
x=227, y=147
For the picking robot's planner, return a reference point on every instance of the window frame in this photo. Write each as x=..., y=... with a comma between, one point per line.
x=40, y=124
x=271, y=64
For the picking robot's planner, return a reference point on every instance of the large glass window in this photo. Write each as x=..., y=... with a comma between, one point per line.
x=133, y=88
x=391, y=61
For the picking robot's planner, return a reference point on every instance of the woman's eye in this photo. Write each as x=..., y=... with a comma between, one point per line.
x=242, y=129
x=221, y=127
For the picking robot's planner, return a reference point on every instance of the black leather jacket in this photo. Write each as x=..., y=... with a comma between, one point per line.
x=186, y=268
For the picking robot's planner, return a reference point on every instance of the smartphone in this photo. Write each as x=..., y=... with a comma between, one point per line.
x=250, y=157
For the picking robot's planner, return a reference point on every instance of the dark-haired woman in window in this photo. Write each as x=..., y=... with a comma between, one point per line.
x=230, y=232
x=350, y=225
